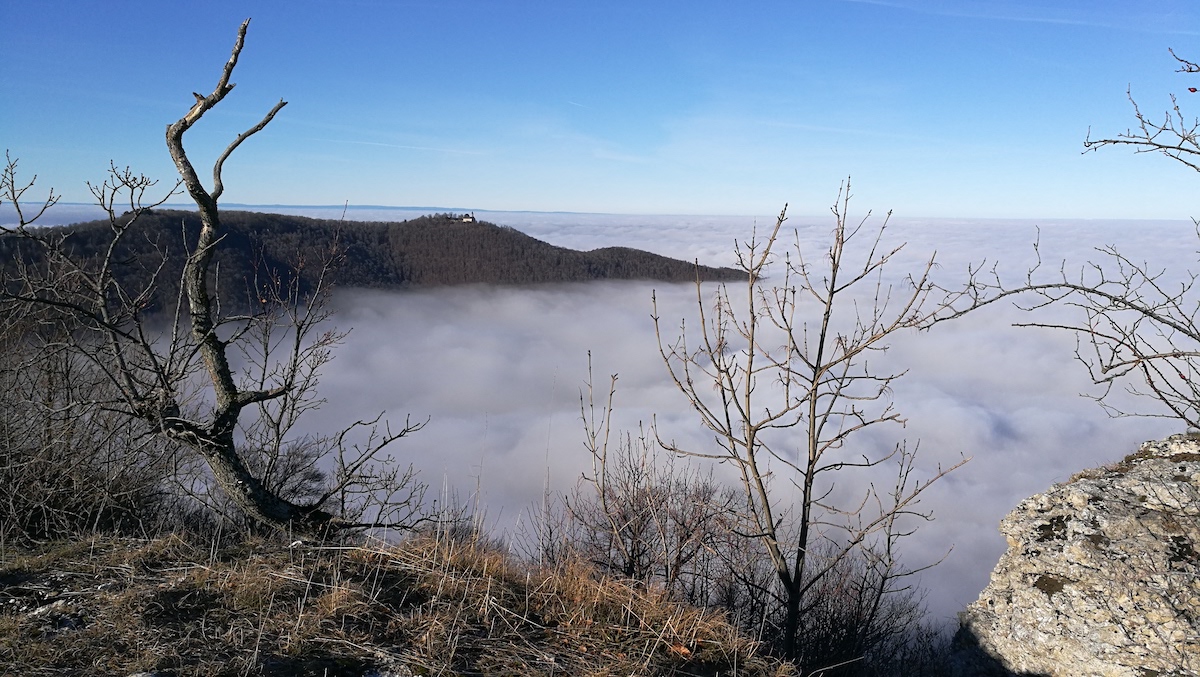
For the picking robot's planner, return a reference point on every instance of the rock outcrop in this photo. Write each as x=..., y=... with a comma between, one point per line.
x=1101, y=577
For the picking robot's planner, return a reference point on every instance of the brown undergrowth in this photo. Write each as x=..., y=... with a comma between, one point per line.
x=108, y=606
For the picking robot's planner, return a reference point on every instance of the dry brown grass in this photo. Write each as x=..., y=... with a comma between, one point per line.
x=108, y=606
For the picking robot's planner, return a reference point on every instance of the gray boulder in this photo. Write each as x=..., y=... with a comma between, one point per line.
x=1101, y=576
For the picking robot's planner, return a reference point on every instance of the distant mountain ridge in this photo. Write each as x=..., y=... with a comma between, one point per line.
x=428, y=251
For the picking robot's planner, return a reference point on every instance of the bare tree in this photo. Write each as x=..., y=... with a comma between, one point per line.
x=177, y=375
x=784, y=382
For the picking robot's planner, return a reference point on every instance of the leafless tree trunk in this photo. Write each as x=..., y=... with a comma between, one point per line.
x=784, y=383
x=216, y=441
x=153, y=371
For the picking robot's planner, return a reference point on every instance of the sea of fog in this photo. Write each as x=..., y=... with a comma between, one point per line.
x=498, y=372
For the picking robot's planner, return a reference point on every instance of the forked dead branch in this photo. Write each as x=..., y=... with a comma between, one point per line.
x=177, y=375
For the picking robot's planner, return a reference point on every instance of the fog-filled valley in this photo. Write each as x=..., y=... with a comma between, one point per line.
x=499, y=371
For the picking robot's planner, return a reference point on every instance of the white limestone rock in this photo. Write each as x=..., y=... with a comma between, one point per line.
x=1101, y=577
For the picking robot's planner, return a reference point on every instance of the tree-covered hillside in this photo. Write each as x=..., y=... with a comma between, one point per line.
x=433, y=250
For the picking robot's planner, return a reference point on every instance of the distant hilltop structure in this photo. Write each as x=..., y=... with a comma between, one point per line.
x=468, y=218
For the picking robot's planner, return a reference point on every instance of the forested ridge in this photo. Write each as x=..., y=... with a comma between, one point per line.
x=435, y=250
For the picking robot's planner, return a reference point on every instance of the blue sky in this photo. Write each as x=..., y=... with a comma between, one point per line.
x=971, y=108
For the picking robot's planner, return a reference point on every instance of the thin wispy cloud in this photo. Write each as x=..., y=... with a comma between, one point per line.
x=605, y=154
x=1026, y=14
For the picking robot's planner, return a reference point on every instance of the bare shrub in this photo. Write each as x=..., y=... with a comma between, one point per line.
x=67, y=465
x=639, y=516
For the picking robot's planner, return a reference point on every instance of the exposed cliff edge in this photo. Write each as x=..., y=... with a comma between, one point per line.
x=1101, y=577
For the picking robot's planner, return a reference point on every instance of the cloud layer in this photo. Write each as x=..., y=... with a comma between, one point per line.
x=499, y=372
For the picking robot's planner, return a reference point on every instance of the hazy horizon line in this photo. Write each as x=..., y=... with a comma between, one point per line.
x=443, y=209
